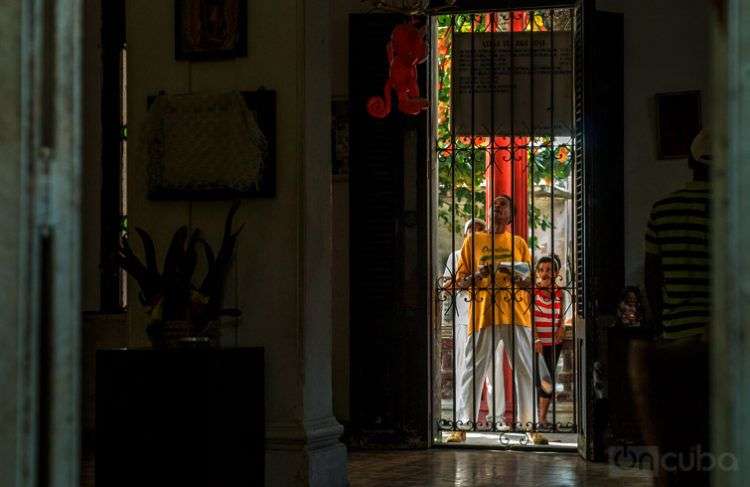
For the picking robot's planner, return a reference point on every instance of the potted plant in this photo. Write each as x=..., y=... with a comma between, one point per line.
x=179, y=310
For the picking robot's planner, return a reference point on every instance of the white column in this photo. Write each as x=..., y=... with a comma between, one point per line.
x=310, y=444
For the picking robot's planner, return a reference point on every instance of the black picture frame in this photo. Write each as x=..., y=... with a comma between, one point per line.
x=679, y=118
x=196, y=39
x=263, y=104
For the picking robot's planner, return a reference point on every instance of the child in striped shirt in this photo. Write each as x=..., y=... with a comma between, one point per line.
x=548, y=314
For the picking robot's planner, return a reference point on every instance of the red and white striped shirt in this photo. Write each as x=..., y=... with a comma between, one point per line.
x=543, y=314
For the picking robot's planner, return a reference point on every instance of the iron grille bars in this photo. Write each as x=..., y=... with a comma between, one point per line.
x=495, y=152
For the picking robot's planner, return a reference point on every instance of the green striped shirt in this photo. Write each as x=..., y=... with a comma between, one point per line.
x=679, y=233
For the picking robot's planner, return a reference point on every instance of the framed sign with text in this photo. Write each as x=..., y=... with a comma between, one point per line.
x=528, y=94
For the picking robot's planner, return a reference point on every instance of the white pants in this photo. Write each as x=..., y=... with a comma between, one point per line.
x=459, y=350
x=481, y=357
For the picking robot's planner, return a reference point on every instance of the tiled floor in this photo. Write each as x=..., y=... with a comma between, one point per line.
x=445, y=467
x=480, y=468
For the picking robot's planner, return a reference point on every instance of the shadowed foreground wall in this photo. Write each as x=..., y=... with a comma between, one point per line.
x=10, y=208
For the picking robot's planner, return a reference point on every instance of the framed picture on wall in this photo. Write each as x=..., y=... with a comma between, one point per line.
x=678, y=121
x=209, y=30
x=211, y=146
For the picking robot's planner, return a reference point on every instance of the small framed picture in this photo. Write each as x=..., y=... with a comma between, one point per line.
x=678, y=121
x=210, y=30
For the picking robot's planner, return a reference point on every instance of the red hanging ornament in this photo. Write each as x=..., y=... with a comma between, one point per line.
x=406, y=49
x=520, y=21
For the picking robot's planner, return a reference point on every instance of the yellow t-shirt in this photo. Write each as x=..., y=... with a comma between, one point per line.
x=476, y=252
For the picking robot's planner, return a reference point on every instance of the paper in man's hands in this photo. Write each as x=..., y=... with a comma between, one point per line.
x=521, y=270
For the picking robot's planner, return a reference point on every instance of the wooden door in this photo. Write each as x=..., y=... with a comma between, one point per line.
x=388, y=258
x=600, y=218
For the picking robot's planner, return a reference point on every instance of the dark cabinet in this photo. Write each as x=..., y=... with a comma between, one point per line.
x=180, y=417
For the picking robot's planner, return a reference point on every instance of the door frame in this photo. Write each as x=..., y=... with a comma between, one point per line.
x=730, y=322
x=585, y=324
x=48, y=319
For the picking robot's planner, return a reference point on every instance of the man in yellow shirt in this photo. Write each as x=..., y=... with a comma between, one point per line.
x=494, y=269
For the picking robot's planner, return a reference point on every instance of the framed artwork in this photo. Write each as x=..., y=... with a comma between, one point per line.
x=340, y=137
x=209, y=30
x=209, y=146
x=678, y=121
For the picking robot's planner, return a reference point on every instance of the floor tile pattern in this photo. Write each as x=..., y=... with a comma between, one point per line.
x=480, y=468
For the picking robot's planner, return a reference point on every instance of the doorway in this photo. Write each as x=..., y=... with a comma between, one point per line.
x=505, y=123
x=396, y=300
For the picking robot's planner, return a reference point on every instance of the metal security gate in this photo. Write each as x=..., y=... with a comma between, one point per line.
x=507, y=219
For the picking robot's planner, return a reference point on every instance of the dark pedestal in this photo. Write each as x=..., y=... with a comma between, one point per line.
x=180, y=417
x=625, y=385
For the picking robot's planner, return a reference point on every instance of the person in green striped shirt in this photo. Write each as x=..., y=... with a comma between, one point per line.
x=674, y=368
x=677, y=267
